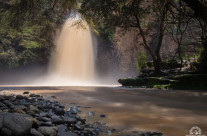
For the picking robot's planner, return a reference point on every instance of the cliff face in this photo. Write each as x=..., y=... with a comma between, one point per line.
x=119, y=57
x=107, y=64
x=126, y=51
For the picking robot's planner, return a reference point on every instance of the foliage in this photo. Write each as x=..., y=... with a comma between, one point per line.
x=202, y=59
x=27, y=29
x=186, y=81
x=185, y=20
x=141, y=61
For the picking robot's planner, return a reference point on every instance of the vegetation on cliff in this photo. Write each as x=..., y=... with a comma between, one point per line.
x=177, y=18
x=28, y=28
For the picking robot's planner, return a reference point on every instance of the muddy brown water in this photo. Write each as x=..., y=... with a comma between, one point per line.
x=171, y=112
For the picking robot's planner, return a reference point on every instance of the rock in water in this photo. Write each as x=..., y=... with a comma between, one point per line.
x=48, y=131
x=57, y=120
x=20, y=97
x=16, y=123
x=34, y=132
x=73, y=110
x=26, y=92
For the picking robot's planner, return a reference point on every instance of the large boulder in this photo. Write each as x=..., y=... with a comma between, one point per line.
x=15, y=123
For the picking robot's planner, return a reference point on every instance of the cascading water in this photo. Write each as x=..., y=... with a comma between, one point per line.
x=73, y=60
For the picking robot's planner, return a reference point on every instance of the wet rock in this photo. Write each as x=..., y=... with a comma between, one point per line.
x=51, y=113
x=79, y=127
x=87, y=107
x=20, y=97
x=34, y=110
x=8, y=103
x=23, y=102
x=2, y=98
x=1, y=121
x=5, y=110
x=43, y=114
x=69, y=120
x=73, y=110
x=49, y=123
x=16, y=110
x=2, y=105
x=26, y=92
x=89, y=114
x=151, y=134
x=53, y=97
x=34, y=132
x=56, y=103
x=34, y=95
x=48, y=131
x=62, y=128
x=45, y=119
x=57, y=120
x=6, y=132
x=34, y=121
x=97, y=125
x=67, y=134
x=16, y=123
x=59, y=111
x=8, y=97
x=103, y=116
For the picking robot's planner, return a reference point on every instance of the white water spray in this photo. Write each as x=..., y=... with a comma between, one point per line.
x=72, y=62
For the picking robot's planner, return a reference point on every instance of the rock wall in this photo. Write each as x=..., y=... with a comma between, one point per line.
x=119, y=58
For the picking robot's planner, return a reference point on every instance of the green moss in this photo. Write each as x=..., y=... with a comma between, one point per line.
x=6, y=41
x=185, y=82
x=167, y=86
x=30, y=44
x=27, y=57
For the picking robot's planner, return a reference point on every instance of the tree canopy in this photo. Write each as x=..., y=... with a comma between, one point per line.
x=28, y=27
x=145, y=15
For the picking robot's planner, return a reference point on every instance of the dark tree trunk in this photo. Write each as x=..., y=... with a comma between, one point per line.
x=157, y=67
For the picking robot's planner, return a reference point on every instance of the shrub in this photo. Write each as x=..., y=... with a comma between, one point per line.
x=141, y=61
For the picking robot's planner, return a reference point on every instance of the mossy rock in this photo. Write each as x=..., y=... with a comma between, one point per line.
x=147, y=81
x=171, y=64
x=191, y=78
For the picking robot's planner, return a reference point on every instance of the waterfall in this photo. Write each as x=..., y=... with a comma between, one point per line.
x=72, y=62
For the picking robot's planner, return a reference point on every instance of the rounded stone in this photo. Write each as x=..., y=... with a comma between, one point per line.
x=16, y=123
x=34, y=132
x=47, y=131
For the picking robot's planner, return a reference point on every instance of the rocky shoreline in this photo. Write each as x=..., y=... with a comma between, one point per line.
x=32, y=115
